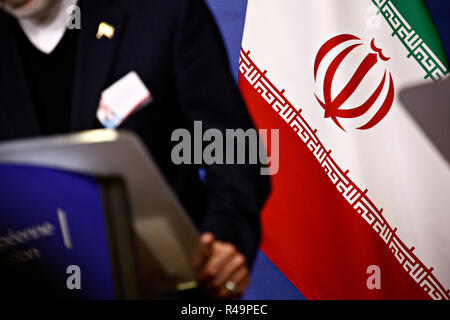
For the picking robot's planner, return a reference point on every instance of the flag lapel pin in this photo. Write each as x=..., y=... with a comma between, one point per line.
x=105, y=30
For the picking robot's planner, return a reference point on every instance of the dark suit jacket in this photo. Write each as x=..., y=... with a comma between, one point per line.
x=176, y=49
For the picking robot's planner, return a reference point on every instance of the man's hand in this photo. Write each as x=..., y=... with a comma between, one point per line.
x=224, y=274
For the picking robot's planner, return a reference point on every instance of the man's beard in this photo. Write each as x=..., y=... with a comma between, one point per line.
x=33, y=9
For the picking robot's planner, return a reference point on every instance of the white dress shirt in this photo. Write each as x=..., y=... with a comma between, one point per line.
x=46, y=33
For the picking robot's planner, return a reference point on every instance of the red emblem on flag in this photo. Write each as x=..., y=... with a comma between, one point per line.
x=333, y=107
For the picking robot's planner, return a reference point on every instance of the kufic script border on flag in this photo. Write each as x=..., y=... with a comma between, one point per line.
x=357, y=198
x=412, y=41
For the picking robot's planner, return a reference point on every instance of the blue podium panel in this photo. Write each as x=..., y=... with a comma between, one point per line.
x=53, y=231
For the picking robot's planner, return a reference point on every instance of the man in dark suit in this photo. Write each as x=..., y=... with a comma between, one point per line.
x=51, y=82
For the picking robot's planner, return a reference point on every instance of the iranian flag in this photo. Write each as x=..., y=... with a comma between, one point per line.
x=360, y=207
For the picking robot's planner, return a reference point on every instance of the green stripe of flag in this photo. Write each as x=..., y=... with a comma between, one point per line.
x=419, y=37
x=418, y=16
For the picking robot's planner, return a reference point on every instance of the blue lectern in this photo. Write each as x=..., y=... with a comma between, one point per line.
x=89, y=216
